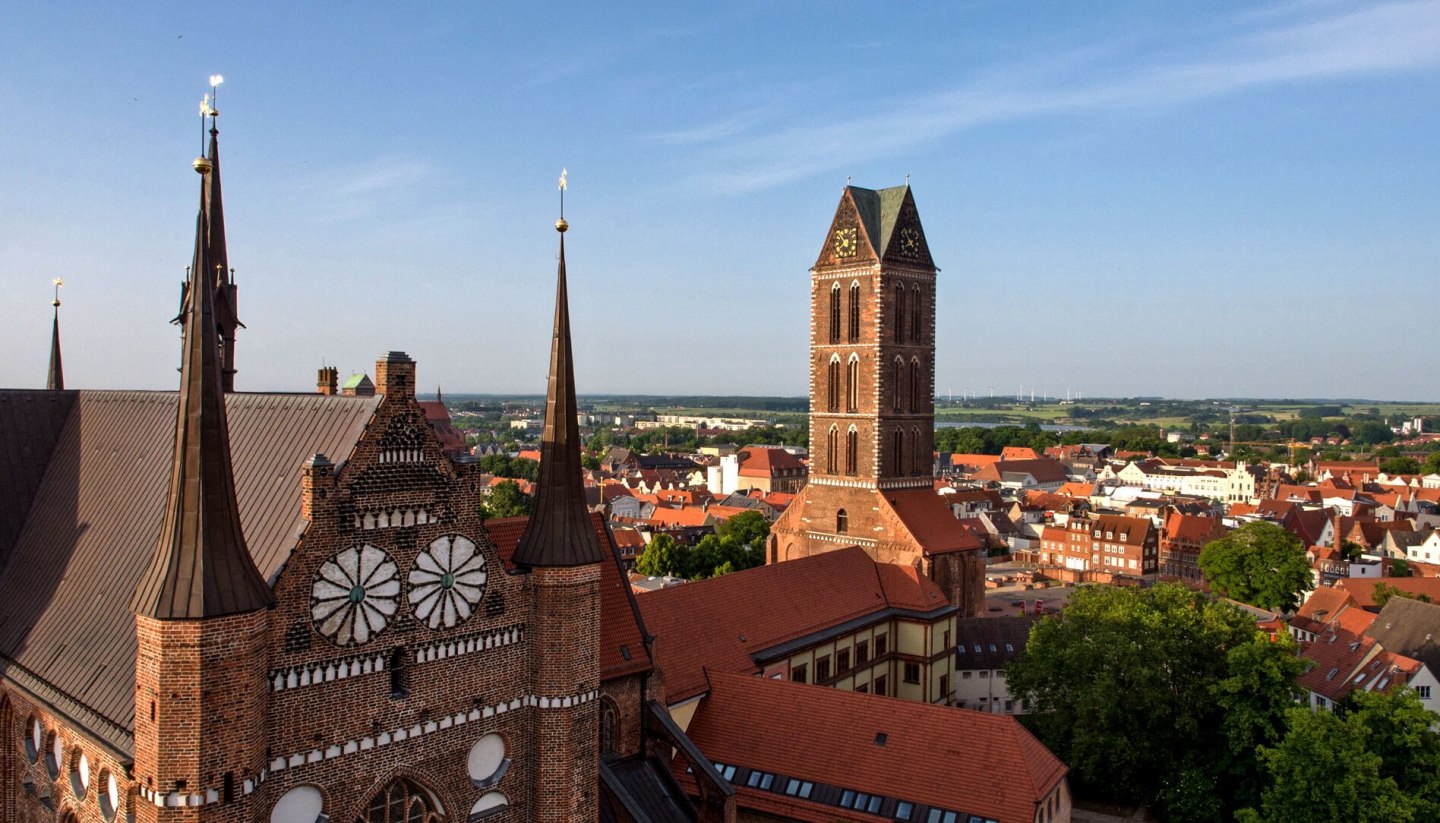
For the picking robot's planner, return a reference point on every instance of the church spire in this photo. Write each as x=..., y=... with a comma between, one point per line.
x=55, y=379
x=560, y=532
x=201, y=567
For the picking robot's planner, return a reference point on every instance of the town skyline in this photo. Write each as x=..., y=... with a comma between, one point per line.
x=1138, y=184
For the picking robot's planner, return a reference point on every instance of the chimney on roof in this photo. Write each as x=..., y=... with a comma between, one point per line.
x=328, y=381
x=395, y=376
x=317, y=480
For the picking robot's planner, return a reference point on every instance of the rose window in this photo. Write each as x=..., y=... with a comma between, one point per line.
x=355, y=595
x=447, y=582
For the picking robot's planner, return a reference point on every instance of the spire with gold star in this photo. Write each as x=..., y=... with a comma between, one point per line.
x=55, y=379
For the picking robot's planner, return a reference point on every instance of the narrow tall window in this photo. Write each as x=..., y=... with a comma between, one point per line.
x=852, y=451
x=835, y=313
x=897, y=391
x=854, y=312
x=900, y=314
x=923, y=457
x=898, y=453
x=842, y=522
x=916, y=399
x=609, y=726
x=852, y=384
x=834, y=384
x=832, y=448
x=399, y=678
x=917, y=315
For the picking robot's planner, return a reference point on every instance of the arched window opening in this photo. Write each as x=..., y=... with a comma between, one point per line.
x=491, y=803
x=897, y=453
x=302, y=804
x=487, y=763
x=855, y=312
x=917, y=315
x=402, y=801
x=900, y=314
x=852, y=451
x=832, y=448
x=833, y=372
x=917, y=400
x=842, y=522
x=922, y=457
x=852, y=384
x=835, y=313
x=399, y=676
x=54, y=756
x=897, y=390
x=609, y=726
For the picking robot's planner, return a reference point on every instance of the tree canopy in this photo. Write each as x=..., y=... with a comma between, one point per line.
x=505, y=500
x=1260, y=564
x=738, y=543
x=1157, y=695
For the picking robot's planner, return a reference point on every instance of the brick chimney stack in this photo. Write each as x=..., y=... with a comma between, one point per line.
x=395, y=376
x=328, y=381
x=317, y=480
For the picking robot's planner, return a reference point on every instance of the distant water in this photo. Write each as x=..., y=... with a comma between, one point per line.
x=967, y=424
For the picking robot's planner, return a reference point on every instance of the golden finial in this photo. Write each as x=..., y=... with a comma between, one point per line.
x=58, y=283
x=202, y=164
x=561, y=225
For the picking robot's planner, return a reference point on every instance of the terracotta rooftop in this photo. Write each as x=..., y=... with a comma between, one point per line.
x=929, y=756
x=930, y=521
x=722, y=622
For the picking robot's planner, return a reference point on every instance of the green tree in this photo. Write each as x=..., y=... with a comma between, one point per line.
x=749, y=528
x=1350, y=551
x=1379, y=760
x=1400, y=567
x=661, y=557
x=505, y=500
x=1383, y=591
x=1260, y=564
x=1400, y=465
x=1432, y=463
x=1156, y=695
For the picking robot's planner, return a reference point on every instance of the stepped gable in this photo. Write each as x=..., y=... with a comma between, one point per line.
x=67, y=634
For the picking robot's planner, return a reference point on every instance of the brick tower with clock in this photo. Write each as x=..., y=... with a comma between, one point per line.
x=872, y=415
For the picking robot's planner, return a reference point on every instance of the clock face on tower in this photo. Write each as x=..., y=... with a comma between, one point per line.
x=910, y=241
x=846, y=241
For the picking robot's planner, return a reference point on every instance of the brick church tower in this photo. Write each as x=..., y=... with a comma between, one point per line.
x=872, y=415
x=562, y=555
x=201, y=608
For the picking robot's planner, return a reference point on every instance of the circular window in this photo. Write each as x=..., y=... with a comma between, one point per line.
x=35, y=740
x=487, y=763
x=54, y=756
x=302, y=804
x=79, y=774
x=447, y=582
x=355, y=595
x=109, y=795
x=488, y=804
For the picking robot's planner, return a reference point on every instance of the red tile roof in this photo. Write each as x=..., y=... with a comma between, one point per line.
x=1193, y=528
x=970, y=762
x=1018, y=453
x=1363, y=589
x=759, y=461
x=930, y=521
x=719, y=623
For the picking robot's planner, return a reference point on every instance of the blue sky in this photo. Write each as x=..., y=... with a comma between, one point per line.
x=1206, y=199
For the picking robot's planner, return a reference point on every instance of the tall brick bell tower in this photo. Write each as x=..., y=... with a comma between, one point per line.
x=872, y=411
x=562, y=556
x=201, y=608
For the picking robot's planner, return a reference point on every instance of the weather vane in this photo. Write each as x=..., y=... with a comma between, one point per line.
x=58, y=283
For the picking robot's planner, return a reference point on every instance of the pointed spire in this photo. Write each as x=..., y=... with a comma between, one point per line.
x=201, y=566
x=560, y=532
x=226, y=294
x=55, y=380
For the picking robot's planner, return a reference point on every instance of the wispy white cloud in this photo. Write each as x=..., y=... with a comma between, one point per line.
x=358, y=191
x=1326, y=45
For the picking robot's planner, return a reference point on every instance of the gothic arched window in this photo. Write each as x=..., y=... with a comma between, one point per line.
x=917, y=315
x=855, y=312
x=897, y=389
x=609, y=726
x=897, y=452
x=852, y=451
x=833, y=383
x=842, y=522
x=923, y=457
x=917, y=400
x=900, y=313
x=832, y=447
x=852, y=384
x=402, y=801
x=835, y=313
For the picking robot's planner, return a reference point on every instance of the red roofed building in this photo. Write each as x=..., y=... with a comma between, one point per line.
x=872, y=415
x=1099, y=548
x=438, y=416
x=1182, y=540
x=1018, y=453
x=801, y=753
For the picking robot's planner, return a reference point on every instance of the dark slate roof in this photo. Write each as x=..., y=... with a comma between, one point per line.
x=1409, y=627
x=990, y=642
x=559, y=532
x=879, y=209
x=87, y=528
x=645, y=789
x=200, y=567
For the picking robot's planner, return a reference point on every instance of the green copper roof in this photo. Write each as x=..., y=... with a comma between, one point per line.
x=879, y=210
x=356, y=381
